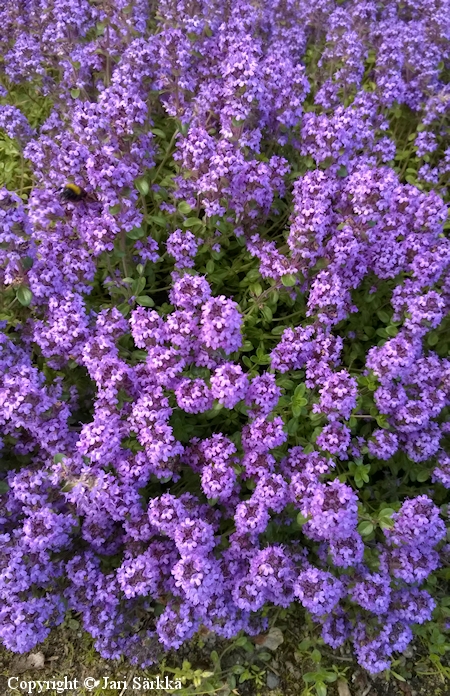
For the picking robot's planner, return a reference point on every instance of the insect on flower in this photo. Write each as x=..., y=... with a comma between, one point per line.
x=73, y=193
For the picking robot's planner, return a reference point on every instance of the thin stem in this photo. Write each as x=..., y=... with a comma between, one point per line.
x=289, y=316
x=123, y=246
x=261, y=299
x=167, y=155
x=11, y=303
x=108, y=57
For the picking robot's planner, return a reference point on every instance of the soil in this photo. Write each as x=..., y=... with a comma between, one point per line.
x=69, y=652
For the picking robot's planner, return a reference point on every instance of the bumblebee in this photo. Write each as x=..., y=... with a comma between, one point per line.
x=71, y=192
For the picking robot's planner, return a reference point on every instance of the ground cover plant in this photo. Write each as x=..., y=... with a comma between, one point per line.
x=224, y=375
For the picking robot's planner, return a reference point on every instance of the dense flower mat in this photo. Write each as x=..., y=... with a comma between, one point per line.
x=224, y=383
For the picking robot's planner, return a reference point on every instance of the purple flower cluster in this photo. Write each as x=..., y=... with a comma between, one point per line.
x=242, y=319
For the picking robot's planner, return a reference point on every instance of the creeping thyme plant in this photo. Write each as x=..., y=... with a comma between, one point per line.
x=224, y=377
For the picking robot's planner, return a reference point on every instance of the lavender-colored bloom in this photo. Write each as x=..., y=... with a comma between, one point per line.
x=138, y=576
x=373, y=651
x=257, y=464
x=332, y=510
x=218, y=481
x=194, y=535
x=46, y=529
x=190, y=291
x=416, y=523
x=183, y=245
x=166, y=512
x=335, y=438
x=373, y=593
x=356, y=271
x=251, y=517
x=26, y=623
x=263, y=435
x=262, y=395
x=318, y=591
x=221, y=324
x=347, y=552
x=335, y=630
x=383, y=445
x=413, y=605
x=272, y=491
x=193, y=395
x=199, y=577
x=175, y=626
x=413, y=564
x=337, y=396
x=147, y=328
x=229, y=384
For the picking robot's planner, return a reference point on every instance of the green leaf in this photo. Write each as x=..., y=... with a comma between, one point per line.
x=310, y=677
x=264, y=656
x=330, y=677
x=27, y=262
x=58, y=458
x=215, y=657
x=210, y=266
x=300, y=390
x=256, y=289
x=240, y=642
x=231, y=681
x=267, y=313
x=289, y=280
x=192, y=222
x=184, y=208
x=316, y=656
x=383, y=316
x=423, y=476
x=139, y=355
x=381, y=422
x=136, y=233
x=365, y=528
x=342, y=172
x=142, y=186
x=300, y=401
x=398, y=676
x=278, y=330
x=386, y=512
x=382, y=332
x=432, y=338
x=159, y=220
x=75, y=93
x=115, y=209
x=386, y=523
x=296, y=412
x=138, y=285
x=145, y=301
x=391, y=331
x=301, y=519
x=24, y=295
x=321, y=689
x=159, y=132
